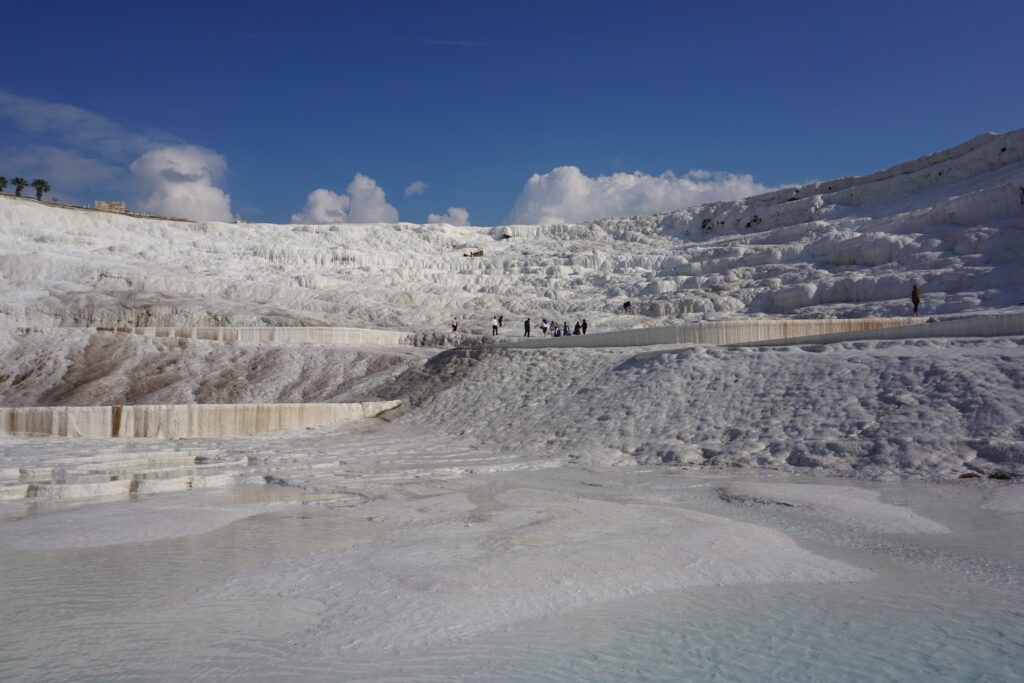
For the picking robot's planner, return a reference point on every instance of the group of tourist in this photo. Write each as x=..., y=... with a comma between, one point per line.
x=553, y=329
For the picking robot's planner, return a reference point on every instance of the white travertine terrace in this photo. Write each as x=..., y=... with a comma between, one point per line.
x=715, y=333
x=98, y=468
x=277, y=335
x=842, y=248
x=983, y=326
x=835, y=257
x=181, y=421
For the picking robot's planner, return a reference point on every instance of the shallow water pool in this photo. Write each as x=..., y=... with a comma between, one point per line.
x=939, y=608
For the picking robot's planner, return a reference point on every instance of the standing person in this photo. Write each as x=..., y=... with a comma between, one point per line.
x=526, y=328
x=584, y=326
x=455, y=324
x=501, y=319
x=494, y=327
x=565, y=329
x=544, y=327
x=626, y=307
x=576, y=330
x=915, y=298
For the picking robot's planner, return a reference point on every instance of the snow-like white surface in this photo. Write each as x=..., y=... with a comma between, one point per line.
x=847, y=505
x=833, y=250
x=535, y=553
x=105, y=525
x=348, y=336
x=849, y=247
x=520, y=486
x=930, y=407
x=437, y=568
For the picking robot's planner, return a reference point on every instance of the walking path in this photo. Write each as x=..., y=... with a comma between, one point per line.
x=767, y=332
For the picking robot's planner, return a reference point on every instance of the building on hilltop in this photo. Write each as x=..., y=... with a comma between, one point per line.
x=116, y=207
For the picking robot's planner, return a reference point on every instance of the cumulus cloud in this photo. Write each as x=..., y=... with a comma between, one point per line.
x=363, y=202
x=74, y=148
x=415, y=187
x=181, y=181
x=566, y=195
x=456, y=215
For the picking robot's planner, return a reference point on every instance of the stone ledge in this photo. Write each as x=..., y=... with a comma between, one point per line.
x=181, y=421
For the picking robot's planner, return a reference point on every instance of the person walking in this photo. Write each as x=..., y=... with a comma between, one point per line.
x=915, y=298
x=501, y=320
x=576, y=330
x=494, y=327
x=584, y=326
x=565, y=329
x=455, y=324
x=526, y=328
x=544, y=327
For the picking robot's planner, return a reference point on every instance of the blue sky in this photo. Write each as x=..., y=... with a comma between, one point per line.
x=269, y=102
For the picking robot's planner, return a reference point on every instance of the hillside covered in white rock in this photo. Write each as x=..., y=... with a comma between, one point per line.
x=952, y=222
x=268, y=440
x=848, y=247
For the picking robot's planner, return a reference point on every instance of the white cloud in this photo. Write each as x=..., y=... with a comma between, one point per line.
x=74, y=148
x=416, y=187
x=63, y=168
x=456, y=215
x=181, y=181
x=566, y=195
x=363, y=202
x=78, y=128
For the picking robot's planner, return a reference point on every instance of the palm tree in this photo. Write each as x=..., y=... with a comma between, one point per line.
x=42, y=187
x=19, y=185
x=3, y=183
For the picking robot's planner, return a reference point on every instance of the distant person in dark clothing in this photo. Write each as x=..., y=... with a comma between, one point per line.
x=584, y=326
x=526, y=328
x=501, y=320
x=627, y=307
x=455, y=324
x=915, y=298
x=565, y=329
x=576, y=330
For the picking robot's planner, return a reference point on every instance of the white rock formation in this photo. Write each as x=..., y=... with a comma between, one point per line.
x=82, y=367
x=843, y=252
x=181, y=421
x=849, y=247
x=349, y=336
x=921, y=407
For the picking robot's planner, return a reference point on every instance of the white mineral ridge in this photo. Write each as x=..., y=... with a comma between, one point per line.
x=541, y=553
